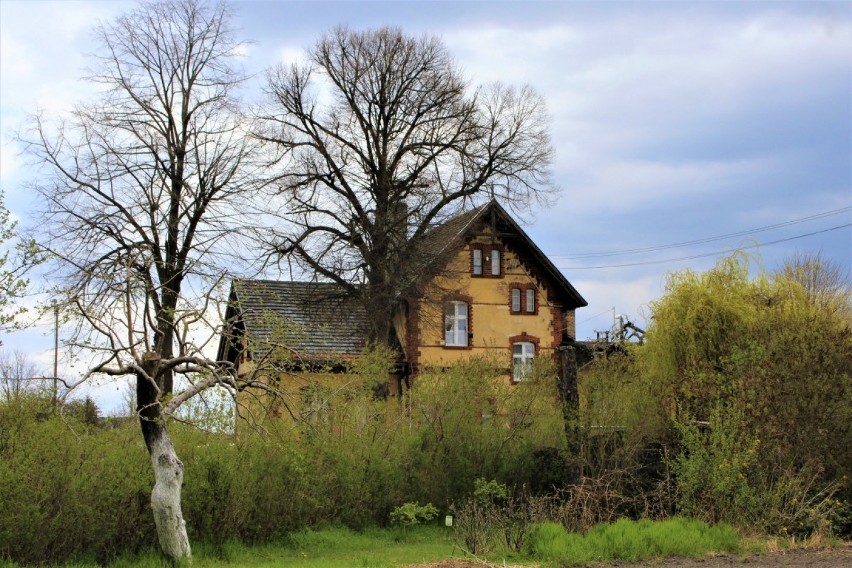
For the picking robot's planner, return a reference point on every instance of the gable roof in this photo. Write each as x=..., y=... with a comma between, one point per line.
x=318, y=320
x=315, y=319
x=457, y=231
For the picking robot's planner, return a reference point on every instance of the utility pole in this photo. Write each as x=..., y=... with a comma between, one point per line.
x=55, y=354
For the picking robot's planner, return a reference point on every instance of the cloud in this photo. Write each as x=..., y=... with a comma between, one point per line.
x=42, y=56
x=636, y=78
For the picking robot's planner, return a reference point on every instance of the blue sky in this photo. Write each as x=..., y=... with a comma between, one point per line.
x=672, y=121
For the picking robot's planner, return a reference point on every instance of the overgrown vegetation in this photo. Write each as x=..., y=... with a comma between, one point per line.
x=736, y=410
x=75, y=490
x=631, y=541
x=756, y=373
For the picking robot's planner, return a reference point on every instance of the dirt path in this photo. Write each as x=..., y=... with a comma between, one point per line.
x=840, y=557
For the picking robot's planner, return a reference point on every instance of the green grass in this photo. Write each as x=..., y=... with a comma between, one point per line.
x=392, y=548
x=631, y=541
x=327, y=548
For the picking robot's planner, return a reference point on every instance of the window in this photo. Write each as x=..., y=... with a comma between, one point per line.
x=477, y=262
x=516, y=300
x=522, y=299
x=486, y=261
x=530, y=307
x=523, y=353
x=495, y=262
x=455, y=324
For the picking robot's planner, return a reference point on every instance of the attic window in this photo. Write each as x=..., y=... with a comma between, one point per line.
x=495, y=262
x=476, y=262
x=486, y=261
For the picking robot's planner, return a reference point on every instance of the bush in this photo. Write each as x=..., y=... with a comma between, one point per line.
x=70, y=490
x=757, y=372
x=410, y=514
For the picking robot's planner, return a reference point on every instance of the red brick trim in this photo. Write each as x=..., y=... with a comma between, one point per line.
x=486, y=260
x=523, y=337
x=557, y=319
x=523, y=287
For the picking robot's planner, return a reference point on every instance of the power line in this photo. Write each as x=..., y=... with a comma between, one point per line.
x=691, y=257
x=706, y=239
x=596, y=316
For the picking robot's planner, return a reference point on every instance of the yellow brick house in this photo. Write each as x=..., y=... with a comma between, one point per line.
x=491, y=292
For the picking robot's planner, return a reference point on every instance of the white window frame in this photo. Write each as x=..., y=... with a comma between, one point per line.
x=478, y=267
x=523, y=353
x=496, y=263
x=530, y=307
x=456, y=320
x=516, y=300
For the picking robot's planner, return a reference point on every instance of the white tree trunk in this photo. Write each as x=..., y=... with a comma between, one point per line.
x=165, y=498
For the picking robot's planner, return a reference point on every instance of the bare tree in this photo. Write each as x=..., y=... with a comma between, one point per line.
x=20, y=375
x=150, y=183
x=826, y=283
x=381, y=138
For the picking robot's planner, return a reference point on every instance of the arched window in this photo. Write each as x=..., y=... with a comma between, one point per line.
x=523, y=353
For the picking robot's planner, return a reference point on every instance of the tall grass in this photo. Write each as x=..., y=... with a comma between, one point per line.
x=630, y=541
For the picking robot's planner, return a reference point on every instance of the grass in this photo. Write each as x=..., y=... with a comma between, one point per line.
x=392, y=548
x=333, y=547
x=631, y=541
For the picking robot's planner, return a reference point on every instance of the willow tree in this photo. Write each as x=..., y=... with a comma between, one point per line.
x=758, y=370
x=380, y=138
x=145, y=187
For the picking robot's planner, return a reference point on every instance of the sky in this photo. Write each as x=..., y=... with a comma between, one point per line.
x=682, y=130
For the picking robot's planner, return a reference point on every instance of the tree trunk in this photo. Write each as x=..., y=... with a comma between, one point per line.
x=165, y=498
x=168, y=469
x=569, y=399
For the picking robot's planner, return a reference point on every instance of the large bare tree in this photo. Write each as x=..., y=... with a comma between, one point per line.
x=146, y=187
x=380, y=138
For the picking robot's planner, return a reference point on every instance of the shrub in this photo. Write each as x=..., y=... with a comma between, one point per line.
x=410, y=514
x=757, y=372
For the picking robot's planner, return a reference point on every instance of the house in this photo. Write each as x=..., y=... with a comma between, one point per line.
x=490, y=291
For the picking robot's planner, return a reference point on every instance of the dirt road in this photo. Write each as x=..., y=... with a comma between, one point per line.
x=840, y=557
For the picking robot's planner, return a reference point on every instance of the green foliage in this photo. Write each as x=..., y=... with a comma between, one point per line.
x=66, y=476
x=717, y=469
x=489, y=492
x=630, y=541
x=757, y=373
x=210, y=410
x=69, y=490
x=410, y=514
x=13, y=269
x=467, y=423
x=626, y=432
